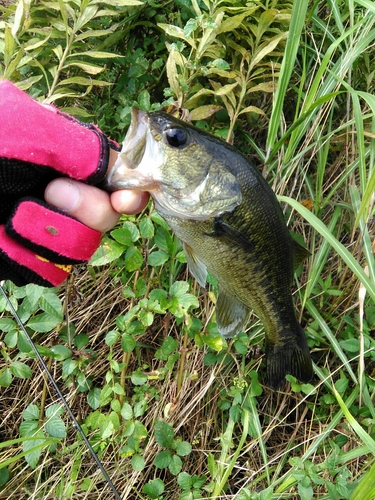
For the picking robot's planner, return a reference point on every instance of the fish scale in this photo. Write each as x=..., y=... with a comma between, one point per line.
x=231, y=225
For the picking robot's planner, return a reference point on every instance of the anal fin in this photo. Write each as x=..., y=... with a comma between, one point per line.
x=231, y=315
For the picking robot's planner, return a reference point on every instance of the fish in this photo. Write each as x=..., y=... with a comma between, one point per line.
x=230, y=224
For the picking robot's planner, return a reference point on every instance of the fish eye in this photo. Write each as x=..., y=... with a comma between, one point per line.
x=176, y=136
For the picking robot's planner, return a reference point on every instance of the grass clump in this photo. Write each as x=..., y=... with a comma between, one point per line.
x=171, y=409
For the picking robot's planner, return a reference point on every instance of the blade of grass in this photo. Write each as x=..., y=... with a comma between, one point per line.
x=322, y=229
x=297, y=22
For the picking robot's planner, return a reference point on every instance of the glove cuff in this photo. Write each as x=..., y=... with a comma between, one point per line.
x=51, y=233
x=22, y=265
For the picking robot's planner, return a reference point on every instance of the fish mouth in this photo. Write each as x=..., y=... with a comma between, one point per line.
x=122, y=175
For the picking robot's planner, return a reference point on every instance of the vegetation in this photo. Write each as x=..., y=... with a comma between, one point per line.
x=171, y=409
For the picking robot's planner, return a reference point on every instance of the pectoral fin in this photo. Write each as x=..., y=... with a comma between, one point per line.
x=231, y=315
x=231, y=235
x=196, y=267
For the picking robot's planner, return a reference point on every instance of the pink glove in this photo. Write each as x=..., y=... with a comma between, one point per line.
x=38, y=243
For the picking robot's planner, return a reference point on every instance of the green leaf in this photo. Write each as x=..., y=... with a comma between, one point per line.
x=55, y=410
x=163, y=459
x=20, y=370
x=183, y=448
x=138, y=378
x=81, y=340
x=5, y=377
x=168, y=346
x=61, y=352
x=146, y=227
x=366, y=486
x=188, y=300
x=138, y=462
x=7, y=325
x=4, y=476
x=126, y=411
x=33, y=293
x=164, y=434
x=69, y=366
x=185, y=481
x=176, y=465
x=55, y=427
x=128, y=343
x=10, y=338
x=93, y=398
x=43, y=322
x=111, y=337
x=34, y=448
x=157, y=258
x=179, y=288
x=108, y=251
x=51, y=304
x=154, y=488
x=31, y=413
x=133, y=259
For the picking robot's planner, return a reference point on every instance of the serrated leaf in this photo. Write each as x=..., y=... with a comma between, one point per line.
x=81, y=340
x=61, y=352
x=133, y=259
x=188, y=300
x=68, y=367
x=185, y=481
x=31, y=412
x=50, y=303
x=176, y=465
x=5, y=378
x=157, y=258
x=55, y=427
x=93, y=398
x=29, y=428
x=20, y=370
x=182, y=448
x=164, y=434
x=138, y=378
x=179, y=288
x=7, y=325
x=163, y=459
x=154, y=488
x=10, y=338
x=111, y=337
x=126, y=411
x=54, y=410
x=128, y=343
x=43, y=322
x=108, y=251
x=138, y=462
x=146, y=227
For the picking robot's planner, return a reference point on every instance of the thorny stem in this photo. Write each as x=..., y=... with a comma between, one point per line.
x=126, y=355
x=43, y=396
x=180, y=374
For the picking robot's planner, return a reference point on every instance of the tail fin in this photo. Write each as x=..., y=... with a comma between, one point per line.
x=290, y=355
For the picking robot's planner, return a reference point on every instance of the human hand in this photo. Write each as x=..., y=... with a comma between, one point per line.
x=37, y=143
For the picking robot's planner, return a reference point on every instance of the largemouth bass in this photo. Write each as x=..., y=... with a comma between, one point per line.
x=230, y=223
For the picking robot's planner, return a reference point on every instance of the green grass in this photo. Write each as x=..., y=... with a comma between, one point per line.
x=171, y=409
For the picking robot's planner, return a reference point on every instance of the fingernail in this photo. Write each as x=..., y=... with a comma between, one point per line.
x=63, y=194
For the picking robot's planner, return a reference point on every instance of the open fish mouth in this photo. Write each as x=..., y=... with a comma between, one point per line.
x=120, y=176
